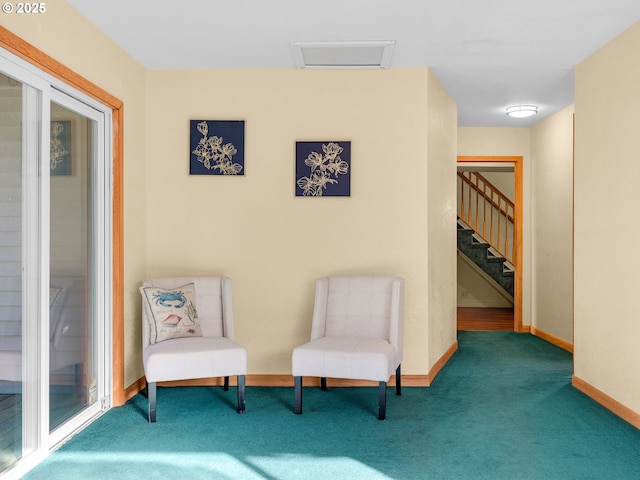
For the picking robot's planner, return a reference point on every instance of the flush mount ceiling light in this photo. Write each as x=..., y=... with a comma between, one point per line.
x=371, y=54
x=522, y=111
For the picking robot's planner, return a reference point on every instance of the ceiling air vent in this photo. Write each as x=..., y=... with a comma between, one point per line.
x=373, y=54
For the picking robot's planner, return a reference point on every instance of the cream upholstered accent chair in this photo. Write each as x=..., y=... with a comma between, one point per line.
x=356, y=333
x=187, y=333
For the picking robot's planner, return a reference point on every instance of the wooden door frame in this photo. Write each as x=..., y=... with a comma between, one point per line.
x=31, y=54
x=517, y=231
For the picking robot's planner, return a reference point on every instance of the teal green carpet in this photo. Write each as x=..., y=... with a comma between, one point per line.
x=502, y=408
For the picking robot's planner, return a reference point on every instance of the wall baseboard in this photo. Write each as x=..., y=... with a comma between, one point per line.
x=607, y=402
x=134, y=389
x=441, y=362
x=558, y=342
x=286, y=380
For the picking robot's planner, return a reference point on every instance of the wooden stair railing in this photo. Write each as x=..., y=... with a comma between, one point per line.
x=488, y=212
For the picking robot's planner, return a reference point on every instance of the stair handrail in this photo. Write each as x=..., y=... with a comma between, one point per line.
x=488, y=197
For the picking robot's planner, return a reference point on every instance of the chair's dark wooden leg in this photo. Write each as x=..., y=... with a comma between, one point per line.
x=398, y=381
x=151, y=397
x=297, y=408
x=323, y=384
x=382, y=400
x=145, y=390
x=226, y=384
x=242, y=403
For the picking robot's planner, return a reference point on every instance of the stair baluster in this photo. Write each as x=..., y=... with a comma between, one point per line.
x=477, y=196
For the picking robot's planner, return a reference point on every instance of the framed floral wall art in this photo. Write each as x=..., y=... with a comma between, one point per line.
x=323, y=169
x=216, y=147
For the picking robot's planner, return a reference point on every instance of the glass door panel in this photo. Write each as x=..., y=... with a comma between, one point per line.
x=72, y=375
x=11, y=253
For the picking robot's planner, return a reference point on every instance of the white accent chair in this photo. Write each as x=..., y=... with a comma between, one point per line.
x=356, y=333
x=214, y=354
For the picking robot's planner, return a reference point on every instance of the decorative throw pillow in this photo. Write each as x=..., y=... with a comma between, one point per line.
x=171, y=312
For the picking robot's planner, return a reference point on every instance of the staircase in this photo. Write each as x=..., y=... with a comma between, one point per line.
x=485, y=257
x=486, y=230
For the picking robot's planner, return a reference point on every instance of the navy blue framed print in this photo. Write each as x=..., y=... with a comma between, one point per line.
x=217, y=147
x=323, y=169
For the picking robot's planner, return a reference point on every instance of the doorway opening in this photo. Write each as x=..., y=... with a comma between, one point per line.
x=485, y=304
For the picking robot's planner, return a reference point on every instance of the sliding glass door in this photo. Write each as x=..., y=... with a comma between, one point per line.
x=55, y=257
x=73, y=336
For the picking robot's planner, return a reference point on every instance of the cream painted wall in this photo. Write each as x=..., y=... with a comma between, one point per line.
x=503, y=181
x=479, y=141
x=441, y=242
x=607, y=99
x=473, y=289
x=273, y=245
x=552, y=217
x=69, y=38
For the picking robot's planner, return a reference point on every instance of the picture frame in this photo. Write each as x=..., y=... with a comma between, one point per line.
x=216, y=147
x=323, y=169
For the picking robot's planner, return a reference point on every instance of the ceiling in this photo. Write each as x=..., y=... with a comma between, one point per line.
x=488, y=54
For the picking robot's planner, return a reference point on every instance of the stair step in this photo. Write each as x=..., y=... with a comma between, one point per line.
x=492, y=259
x=472, y=245
x=478, y=238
